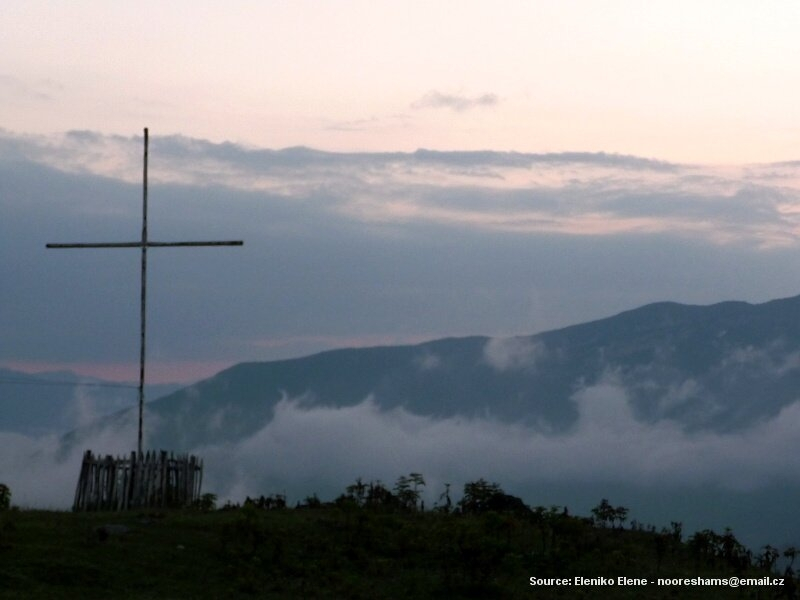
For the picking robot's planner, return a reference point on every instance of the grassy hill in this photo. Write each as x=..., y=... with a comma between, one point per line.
x=355, y=548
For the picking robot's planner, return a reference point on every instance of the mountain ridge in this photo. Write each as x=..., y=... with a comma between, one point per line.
x=700, y=366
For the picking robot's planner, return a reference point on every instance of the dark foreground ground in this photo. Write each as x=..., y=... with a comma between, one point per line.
x=349, y=551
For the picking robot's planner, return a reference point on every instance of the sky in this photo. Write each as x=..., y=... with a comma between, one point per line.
x=398, y=171
x=710, y=81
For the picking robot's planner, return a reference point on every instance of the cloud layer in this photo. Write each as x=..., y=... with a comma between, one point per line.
x=305, y=450
x=570, y=193
x=607, y=444
x=365, y=248
x=456, y=102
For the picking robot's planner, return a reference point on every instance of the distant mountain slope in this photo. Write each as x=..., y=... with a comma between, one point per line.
x=714, y=367
x=55, y=402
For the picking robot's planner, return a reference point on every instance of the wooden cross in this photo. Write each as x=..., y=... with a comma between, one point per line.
x=144, y=244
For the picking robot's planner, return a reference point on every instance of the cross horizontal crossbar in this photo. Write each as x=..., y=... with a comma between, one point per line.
x=141, y=245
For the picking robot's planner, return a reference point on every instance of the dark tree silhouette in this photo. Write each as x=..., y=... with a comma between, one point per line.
x=791, y=554
x=768, y=557
x=477, y=495
x=448, y=503
x=5, y=497
x=407, y=490
x=604, y=513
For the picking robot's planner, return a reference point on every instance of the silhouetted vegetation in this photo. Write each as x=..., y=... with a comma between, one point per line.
x=5, y=497
x=370, y=542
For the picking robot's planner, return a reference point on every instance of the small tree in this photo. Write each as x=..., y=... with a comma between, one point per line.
x=407, y=490
x=768, y=557
x=445, y=496
x=206, y=502
x=604, y=513
x=621, y=515
x=418, y=481
x=477, y=495
x=5, y=497
x=791, y=554
x=312, y=501
x=405, y=495
x=357, y=491
x=379, y=495
x=677, y=531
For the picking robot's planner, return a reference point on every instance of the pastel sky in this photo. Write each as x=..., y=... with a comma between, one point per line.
x=702, y=81
x=399, y=171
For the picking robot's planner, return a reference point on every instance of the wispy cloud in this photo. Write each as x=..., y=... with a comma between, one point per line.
x=456, y=102
x=505, y=354
x=371, y=123
x=428, y=361
x=565, y=193
x=42, y=472
x=14, y=90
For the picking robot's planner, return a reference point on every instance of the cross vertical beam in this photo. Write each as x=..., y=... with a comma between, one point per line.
x=143, y=319
x=144, y=244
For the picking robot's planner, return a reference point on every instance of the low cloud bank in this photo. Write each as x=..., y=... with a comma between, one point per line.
x=322, y=449
x=332, y=446
x=42, y=471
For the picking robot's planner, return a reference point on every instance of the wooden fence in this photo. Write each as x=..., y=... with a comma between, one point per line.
x=151, y=480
